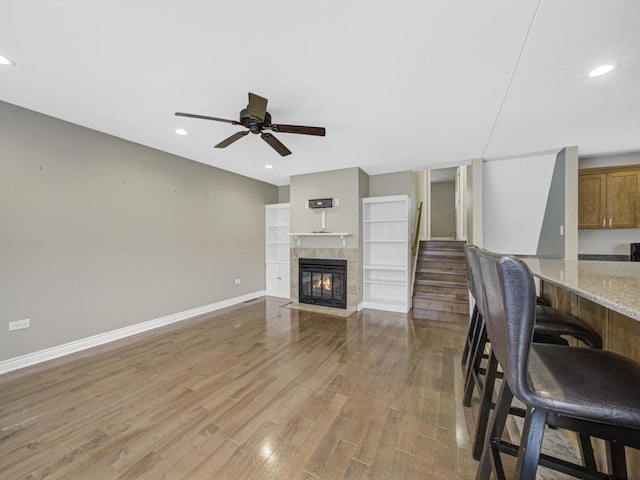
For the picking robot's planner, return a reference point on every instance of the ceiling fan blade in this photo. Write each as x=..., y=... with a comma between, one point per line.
x=319, y=131
x=231, y=139
x=257, y=106
x=204, y=117
x=276, y=144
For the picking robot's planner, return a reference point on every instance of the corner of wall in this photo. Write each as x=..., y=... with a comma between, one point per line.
x=571, y=203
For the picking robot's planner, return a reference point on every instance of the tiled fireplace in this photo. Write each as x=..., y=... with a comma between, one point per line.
x=350, y=255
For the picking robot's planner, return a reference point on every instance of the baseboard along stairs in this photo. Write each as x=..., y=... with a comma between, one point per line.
x=440, y=287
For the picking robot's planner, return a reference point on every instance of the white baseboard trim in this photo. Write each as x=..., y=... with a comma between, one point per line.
x=386, y=307
x=29, y=359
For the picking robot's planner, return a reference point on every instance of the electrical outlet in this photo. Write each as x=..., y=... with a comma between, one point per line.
x=238, y=281
x=19, y=324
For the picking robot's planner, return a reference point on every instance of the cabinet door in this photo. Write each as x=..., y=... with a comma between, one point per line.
x=272, y=279
x=622, y=200
x=592, y=200
x=285, y=283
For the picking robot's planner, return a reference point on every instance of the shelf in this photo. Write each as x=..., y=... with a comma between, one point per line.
x=400, y=283
x=342, y=236
x=388, y=268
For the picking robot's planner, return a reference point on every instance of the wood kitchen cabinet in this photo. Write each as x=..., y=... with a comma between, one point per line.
x=609, y=197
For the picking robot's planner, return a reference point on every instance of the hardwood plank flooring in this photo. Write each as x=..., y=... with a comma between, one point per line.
x=254, y=391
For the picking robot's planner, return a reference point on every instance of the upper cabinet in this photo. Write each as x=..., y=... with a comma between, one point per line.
x=608, y=197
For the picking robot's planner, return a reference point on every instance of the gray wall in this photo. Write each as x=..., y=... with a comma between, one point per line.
x=342, y=184
x=98, y=233
x=443, y=216
x=283, y=194
x=398, y=183
x=551, y=243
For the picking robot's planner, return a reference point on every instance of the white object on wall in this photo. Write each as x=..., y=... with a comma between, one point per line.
x=515, y=195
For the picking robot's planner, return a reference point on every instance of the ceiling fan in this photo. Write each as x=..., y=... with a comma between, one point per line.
x=256, y=118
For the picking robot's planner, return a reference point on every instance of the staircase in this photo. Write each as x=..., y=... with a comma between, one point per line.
x=440, y=287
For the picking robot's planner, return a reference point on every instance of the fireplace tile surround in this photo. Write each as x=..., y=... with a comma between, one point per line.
x=351, y=255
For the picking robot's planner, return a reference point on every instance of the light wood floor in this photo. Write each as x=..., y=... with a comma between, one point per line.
x=250, y=392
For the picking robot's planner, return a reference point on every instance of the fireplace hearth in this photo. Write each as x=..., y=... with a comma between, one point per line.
x=322, y=282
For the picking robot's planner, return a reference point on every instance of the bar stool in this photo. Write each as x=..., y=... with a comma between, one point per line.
x=586, y=390
x=550, y=327
x=475, y=319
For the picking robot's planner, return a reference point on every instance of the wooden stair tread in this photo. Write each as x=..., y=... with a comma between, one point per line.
x=434, y=272
x=451, y=297
x=442, y=266
x=441, y=283
x=440, y=253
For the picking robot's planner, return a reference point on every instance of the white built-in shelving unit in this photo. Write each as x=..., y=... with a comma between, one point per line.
x=277, y=281
x=386, y=253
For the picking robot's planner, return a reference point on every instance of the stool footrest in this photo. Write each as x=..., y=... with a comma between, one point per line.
x=556, y=464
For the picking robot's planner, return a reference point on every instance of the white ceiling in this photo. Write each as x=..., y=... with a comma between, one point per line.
x=403, y=85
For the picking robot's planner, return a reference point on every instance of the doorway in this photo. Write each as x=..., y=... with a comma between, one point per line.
x=443, y=203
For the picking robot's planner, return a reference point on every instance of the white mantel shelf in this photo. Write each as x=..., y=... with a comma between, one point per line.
x=342, y=236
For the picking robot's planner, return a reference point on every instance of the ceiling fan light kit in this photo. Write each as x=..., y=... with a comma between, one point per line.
x=256, y=119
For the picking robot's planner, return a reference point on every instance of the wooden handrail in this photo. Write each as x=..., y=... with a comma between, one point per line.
x=414, y=249
x=416, y=238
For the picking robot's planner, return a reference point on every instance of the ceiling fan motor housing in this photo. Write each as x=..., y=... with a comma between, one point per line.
x=255, y=125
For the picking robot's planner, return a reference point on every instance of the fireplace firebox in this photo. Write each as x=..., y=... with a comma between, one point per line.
x=323, y=282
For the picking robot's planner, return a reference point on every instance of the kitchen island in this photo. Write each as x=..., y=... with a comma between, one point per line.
x=605, y=295
x=614, y=285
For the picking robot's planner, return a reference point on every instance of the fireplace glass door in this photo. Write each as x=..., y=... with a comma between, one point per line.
x=323, y=282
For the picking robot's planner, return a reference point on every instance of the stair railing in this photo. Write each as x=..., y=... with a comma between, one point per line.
x=416, y=237
x=415, y=248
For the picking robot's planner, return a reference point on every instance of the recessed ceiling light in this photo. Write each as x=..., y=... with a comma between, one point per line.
x=6, y=61
x=181, y=131
x=268, y=166
x=601, y=70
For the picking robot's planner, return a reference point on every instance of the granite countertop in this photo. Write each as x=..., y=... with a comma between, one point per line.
x=615, y=285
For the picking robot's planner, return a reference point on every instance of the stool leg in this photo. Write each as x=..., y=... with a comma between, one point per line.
x=617, y=461
x=473, y=365
x=473, y=325
x=530, y=444
x=490, y=459
x=586, y=452
x=478, y=327
x=485, y=406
